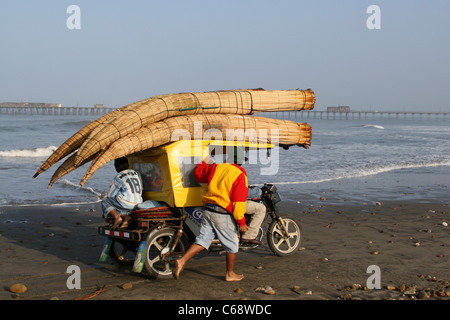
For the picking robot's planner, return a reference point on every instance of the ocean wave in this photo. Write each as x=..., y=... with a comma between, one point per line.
x=87, y=196
x=70, y=184
x=373, y=126
x=370, y=172
x=28, y=153
x=17, y=203
x=376, y=126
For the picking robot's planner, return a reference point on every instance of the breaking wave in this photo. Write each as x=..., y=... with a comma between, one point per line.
x=28, y=153
x=373, y=126
x=371, y=172
x=70, y=184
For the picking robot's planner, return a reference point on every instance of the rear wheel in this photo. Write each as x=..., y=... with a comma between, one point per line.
x=123, y=252
x=159, y=243
x=284, y=236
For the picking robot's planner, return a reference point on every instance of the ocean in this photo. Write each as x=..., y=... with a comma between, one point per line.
x=349, y=160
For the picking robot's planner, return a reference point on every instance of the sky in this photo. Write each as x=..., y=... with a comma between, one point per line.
x=126, y=51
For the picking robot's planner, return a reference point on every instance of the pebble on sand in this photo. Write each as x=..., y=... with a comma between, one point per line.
x=347, y=296
x=267, y=290
x=356, y=286
x=423, y=295
x=127, y=286
x=391, y=287
x=18, y=288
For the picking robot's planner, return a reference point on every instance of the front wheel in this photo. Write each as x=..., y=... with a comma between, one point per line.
x=160, y=242
x=284, y=236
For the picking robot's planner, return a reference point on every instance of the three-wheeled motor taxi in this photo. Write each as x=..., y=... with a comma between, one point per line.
x=163, y=227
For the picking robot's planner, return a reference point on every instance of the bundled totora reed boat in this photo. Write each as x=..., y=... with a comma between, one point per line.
x=156, y=121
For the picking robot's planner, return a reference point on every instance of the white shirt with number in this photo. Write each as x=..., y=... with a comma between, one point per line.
x=126, y=188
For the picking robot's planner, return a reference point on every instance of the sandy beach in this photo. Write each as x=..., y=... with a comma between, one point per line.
x=408, y=241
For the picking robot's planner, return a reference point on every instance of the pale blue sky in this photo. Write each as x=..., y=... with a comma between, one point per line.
x=129, y=51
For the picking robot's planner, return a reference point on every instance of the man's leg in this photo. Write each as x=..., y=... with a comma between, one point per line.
x=227, y=232
x=192, y=251
x=126, y=218
x=111, y=211
x=258, y=212
x=202, y=242
x=231, y=275
x=117, y=219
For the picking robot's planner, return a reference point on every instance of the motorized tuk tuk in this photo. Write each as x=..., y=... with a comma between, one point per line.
x=163, y=227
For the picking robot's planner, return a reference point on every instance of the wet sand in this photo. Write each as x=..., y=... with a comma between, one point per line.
x=407, y=240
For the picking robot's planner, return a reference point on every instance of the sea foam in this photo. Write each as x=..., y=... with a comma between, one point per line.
x=370, y=171
x=28, y=153
x=70, y=184
x=376, y=126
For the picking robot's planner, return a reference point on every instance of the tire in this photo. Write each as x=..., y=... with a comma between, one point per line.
x=156, y=242
x=123, y=252
x=278, y=242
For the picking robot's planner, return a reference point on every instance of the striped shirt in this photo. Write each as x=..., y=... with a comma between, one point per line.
x=126, y=188
x=227, y=187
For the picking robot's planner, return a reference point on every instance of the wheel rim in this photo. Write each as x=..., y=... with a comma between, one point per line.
x=154, y=249
x=280, y=241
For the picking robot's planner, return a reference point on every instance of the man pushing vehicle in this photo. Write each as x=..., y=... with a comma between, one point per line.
x=223, y=202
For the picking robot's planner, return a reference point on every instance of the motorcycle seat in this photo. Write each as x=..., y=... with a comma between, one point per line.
x=152, y=212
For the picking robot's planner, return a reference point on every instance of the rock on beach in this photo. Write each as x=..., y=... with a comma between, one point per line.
x=18, y=288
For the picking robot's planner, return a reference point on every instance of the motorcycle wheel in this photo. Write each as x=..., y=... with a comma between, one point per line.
x=278, y=242
x=157, y=241
x=123, y=252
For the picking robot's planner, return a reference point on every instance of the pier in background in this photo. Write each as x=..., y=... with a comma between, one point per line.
x=356, y=115
x=52, y=111
x=293, y=115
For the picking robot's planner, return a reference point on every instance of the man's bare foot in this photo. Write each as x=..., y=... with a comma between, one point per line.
x=177, y=270
x=233, y=276
x=125, y=219
x=117, y=223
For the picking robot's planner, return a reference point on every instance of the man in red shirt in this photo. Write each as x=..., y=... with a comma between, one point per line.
x=223, y=202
